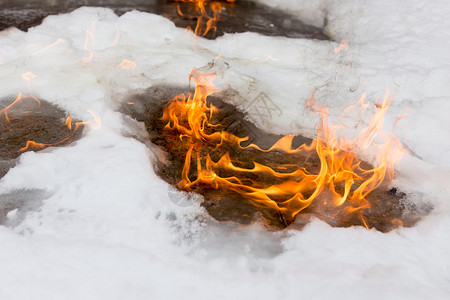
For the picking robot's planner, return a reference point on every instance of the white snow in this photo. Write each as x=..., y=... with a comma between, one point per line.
x=99, y=224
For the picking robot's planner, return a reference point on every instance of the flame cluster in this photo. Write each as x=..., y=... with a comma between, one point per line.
x=342, y=177
x=206, y=23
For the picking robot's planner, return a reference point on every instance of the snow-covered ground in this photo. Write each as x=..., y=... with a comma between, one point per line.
x=97, y=222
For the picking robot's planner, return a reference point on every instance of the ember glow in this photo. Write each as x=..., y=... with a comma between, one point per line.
x=209, y=13
x=341, y=181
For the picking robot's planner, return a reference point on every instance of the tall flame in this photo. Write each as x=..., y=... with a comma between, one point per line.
x=341, y=177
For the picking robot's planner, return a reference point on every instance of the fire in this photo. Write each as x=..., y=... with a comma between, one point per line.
x=34, y=146
x=57, y=42
x=266, y=58
x=205, y=23
x=96, y=125
x=27, y=77
x=68, y=123
x=19, y=98
x=127, y=64
x=89, y=44
x=342, y=181
x=116, y=39
x=71, y=126
x=343, y=45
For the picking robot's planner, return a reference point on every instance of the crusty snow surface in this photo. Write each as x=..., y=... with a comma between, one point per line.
x=97, y=223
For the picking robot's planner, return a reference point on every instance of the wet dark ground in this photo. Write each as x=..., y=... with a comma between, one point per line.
x=241, y=16
x=388, y=209
x=30, y=121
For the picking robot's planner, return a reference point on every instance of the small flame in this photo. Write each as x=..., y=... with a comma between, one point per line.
x=28, y=76
x=32, y=145
x=68, y=123
x=116, y=39
x=341, y=178
x=127, y=64
x=180, y=13
x=343, y=45
x=89, y=43
x=363, y=106
x=58, y=41
x=267, y=58
x=19, y=98
x=97, y=124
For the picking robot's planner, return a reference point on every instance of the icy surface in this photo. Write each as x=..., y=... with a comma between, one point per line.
x=102, y=225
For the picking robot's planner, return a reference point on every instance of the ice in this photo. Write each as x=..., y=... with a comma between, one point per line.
x=101, y=224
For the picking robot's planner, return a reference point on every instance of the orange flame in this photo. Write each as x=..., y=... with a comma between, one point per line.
x=266, y=58
x=116, y=39
x=27, y=77
x=19, y=98
x=343, y=45
x=127, y=64
x=32, y=145
x=68, y=123
x=341, y=178
x=89, y=43
x=97, y=124
x=205, y=22
x=57, y=42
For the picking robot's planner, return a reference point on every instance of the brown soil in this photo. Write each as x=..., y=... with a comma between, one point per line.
x=389, y=208
x=30, y=121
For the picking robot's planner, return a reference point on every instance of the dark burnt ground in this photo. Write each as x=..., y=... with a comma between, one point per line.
x=389, y=208
x=29, y=121
x=241, y=16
